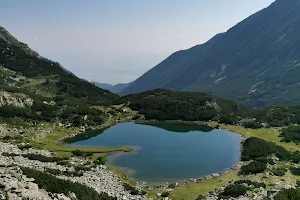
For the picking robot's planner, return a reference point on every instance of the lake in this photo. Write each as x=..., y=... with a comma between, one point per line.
x=167, y=152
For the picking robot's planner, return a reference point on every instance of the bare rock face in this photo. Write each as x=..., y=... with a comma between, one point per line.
x=15, y=99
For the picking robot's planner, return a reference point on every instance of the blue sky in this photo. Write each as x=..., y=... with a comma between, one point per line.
x=113, y=41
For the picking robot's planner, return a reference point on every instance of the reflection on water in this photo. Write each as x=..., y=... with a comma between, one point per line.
x=163, y=153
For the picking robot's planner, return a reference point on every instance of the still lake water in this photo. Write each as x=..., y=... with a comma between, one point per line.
x=167, y=152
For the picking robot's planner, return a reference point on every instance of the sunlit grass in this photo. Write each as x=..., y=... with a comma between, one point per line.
x=51, y=143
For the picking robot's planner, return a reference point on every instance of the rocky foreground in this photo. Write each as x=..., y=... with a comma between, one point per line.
x=14, y=185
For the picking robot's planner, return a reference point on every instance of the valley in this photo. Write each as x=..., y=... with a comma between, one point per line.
x=217, y=121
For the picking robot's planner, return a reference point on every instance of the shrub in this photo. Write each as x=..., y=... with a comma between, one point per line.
x=131, y=189
x=298, y=183
x=279, y=171
x=200, y=197
x=288, y=194
x=234, y=190
x=248, y=182
x=290, y=134
x=99, y=161
x=295, y=171
x=256, y=148
x=42, y=158
x=77, y=152
x=165, y=194
x=26, y=146
x=254, y=167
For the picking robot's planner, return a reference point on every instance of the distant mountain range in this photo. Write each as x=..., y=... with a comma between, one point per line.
x=257, y=62
x=113, y=88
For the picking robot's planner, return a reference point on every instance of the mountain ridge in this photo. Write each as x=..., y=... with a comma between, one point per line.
x=246, y=63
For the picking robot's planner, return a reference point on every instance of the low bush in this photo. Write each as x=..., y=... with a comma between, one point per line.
x=248, y=182
x=165, y=194
x=131, y=189
x=295, y=171
x=234, y=190
x=200, y=197
x=100, y=161
x=26, y=146
x=298, y=183
x=291, y=134
x=256, y=148
x=288, y=194
x=42, y=158
x=254, y=167
x=279, y=171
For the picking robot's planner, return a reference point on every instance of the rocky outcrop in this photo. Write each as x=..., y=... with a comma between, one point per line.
x=98, y=177
x=15, y=99
x=16, y=186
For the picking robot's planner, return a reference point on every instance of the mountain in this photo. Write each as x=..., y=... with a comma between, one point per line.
x=104, y=86
x=257, y=62
x=113, y=88
x=34, y=89
x=44, y=77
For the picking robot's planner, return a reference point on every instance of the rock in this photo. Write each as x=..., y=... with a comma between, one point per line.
x=73, y=196
x=215, y=175
x=32, y=186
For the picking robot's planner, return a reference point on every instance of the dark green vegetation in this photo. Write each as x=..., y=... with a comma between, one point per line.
x=56, y=185
x=239, y=188
x=167, y=105
x=163, y=104
x=132, y=190
x=255, y=62
x=42, y=158
x=295, y=171
x=260, y=151
x=55, y=92
x=18, y=57
x=291, y=134
x=288, y=194
x=279, y=171
x=254, y=167
x=256, y=148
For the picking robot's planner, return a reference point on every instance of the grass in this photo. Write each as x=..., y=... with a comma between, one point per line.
x=50, y=143
x=268, y=134
x=191, y=191
x=122, y=176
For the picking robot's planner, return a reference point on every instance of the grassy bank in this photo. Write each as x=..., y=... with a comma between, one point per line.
x=51, y=143
x=268, y=134
x=191, y=191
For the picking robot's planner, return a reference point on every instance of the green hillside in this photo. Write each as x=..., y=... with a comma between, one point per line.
x=46, y=75
x=34, y=89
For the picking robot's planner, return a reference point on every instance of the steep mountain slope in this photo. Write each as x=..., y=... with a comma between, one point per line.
x=257, y=62
x=43, y=76
x=113, y=88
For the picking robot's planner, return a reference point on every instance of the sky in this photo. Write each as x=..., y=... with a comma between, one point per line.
x=116, y=41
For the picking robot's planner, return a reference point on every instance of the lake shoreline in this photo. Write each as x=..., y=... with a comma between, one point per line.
x=128, y=171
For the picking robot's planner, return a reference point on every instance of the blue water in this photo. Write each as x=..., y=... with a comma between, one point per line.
x=170, y=152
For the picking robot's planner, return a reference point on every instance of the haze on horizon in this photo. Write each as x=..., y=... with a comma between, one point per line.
x=112, y=41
